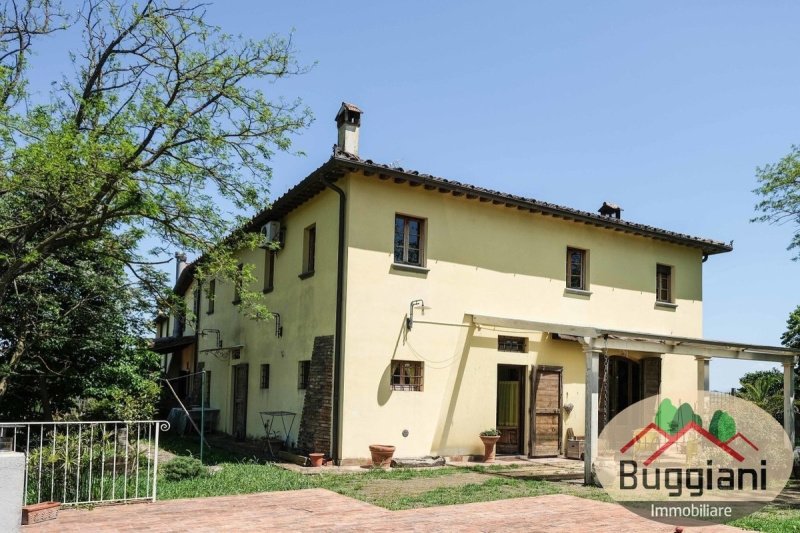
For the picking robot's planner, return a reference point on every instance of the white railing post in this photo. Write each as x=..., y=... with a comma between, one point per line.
x=155, y=460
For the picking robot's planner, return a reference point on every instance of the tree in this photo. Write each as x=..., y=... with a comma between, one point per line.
x=779, y=188
x=81, y=320
x=765, y=389
x=791, y=337
x=158, y=124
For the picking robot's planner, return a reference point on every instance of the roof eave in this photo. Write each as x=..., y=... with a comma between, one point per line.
x=708, y=247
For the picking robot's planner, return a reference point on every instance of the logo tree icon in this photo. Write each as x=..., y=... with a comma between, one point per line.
x=672, y=419
x=665, y=414
x=722, y=426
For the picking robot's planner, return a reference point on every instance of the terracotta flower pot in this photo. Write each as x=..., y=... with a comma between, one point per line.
x=489, y=442
x=381, y=455
x=317, y=459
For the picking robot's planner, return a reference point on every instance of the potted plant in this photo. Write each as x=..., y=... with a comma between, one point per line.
x=317, y=459
x=489, y=438
x=381, y=455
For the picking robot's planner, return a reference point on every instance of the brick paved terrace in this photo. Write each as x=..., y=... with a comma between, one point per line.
x=322, y=510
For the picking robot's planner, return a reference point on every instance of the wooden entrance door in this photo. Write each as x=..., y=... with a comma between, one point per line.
x=546, y=411
x=240, y=401
x=510, y=408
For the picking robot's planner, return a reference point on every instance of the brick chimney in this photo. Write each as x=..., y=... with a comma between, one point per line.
x=348, y=122
x=180, y=264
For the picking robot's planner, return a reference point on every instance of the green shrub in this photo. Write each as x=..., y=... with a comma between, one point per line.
x=490, y=433
x=183, y=468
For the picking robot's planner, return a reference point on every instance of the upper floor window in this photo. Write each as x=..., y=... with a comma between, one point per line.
x=511, y=344
x=664, y=283
x=309, y=249
x=576, y=269
x=407, y=375
x=408, y=240
x=237, y=284
x=212, y=290
x=269, y=270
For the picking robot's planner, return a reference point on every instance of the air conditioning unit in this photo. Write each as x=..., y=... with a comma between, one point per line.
x=271, y=232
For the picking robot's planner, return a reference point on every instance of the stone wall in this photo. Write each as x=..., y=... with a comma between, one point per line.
x=315, y=422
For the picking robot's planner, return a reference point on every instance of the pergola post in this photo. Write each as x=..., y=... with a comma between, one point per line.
x=590, y=415
x=788, y=398
x=703, y=372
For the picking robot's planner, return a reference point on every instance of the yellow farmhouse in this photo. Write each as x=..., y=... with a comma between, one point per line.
x=417, y=311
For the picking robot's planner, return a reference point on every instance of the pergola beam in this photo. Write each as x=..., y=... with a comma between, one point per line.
x=788, y=399
x=691, y=349
x=646, y=342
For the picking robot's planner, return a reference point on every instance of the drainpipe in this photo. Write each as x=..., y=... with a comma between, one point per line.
x=199, y=296
x=337, y=339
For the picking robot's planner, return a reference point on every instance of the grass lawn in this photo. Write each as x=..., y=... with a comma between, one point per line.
x=407, y=489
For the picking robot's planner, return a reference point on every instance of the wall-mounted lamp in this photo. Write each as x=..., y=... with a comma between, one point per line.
x=278, y=325
x=412, y=305
x=568, y=408
x=216, y=332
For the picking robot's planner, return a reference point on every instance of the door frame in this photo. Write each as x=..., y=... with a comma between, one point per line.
x=522, y=369
x=246, y=372
x=535, y=374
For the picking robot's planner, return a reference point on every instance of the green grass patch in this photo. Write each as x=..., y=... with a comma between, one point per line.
x=399, y=489
x=771, y=520
x=234, y=478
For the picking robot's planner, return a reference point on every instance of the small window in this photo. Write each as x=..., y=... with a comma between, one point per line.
x=212, y=289
x=576, y=269
x=664, y=283
x=197, y=382
x=309, y=250
x=407, y=375
x=269, y=270
x=303, y=371
x=264, y=376
x=512, y=344
x=237, y=284
x=196, y=302
x=408, y=240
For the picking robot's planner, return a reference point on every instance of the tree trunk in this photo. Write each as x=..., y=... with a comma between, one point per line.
x=44, y=397
x=16, y=355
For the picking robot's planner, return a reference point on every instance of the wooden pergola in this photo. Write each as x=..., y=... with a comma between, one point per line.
x=595, y=340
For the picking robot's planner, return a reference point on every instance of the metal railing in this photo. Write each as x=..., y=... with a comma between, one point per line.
x=87, y=462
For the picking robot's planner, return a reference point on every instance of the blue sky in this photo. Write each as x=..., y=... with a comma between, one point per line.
x=664, y=108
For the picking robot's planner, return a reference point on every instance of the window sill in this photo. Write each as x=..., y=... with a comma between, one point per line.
x=666, y=305
x=209, y=312
x=268, y=290
x=410, y=268
x=569, y=291
x=306, y=275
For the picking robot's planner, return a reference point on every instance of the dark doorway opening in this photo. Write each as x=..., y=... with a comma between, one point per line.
x=510, y=408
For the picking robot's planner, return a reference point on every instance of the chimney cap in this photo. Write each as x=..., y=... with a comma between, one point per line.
x=350, y=107
x=348, y=113
x=608, y=209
